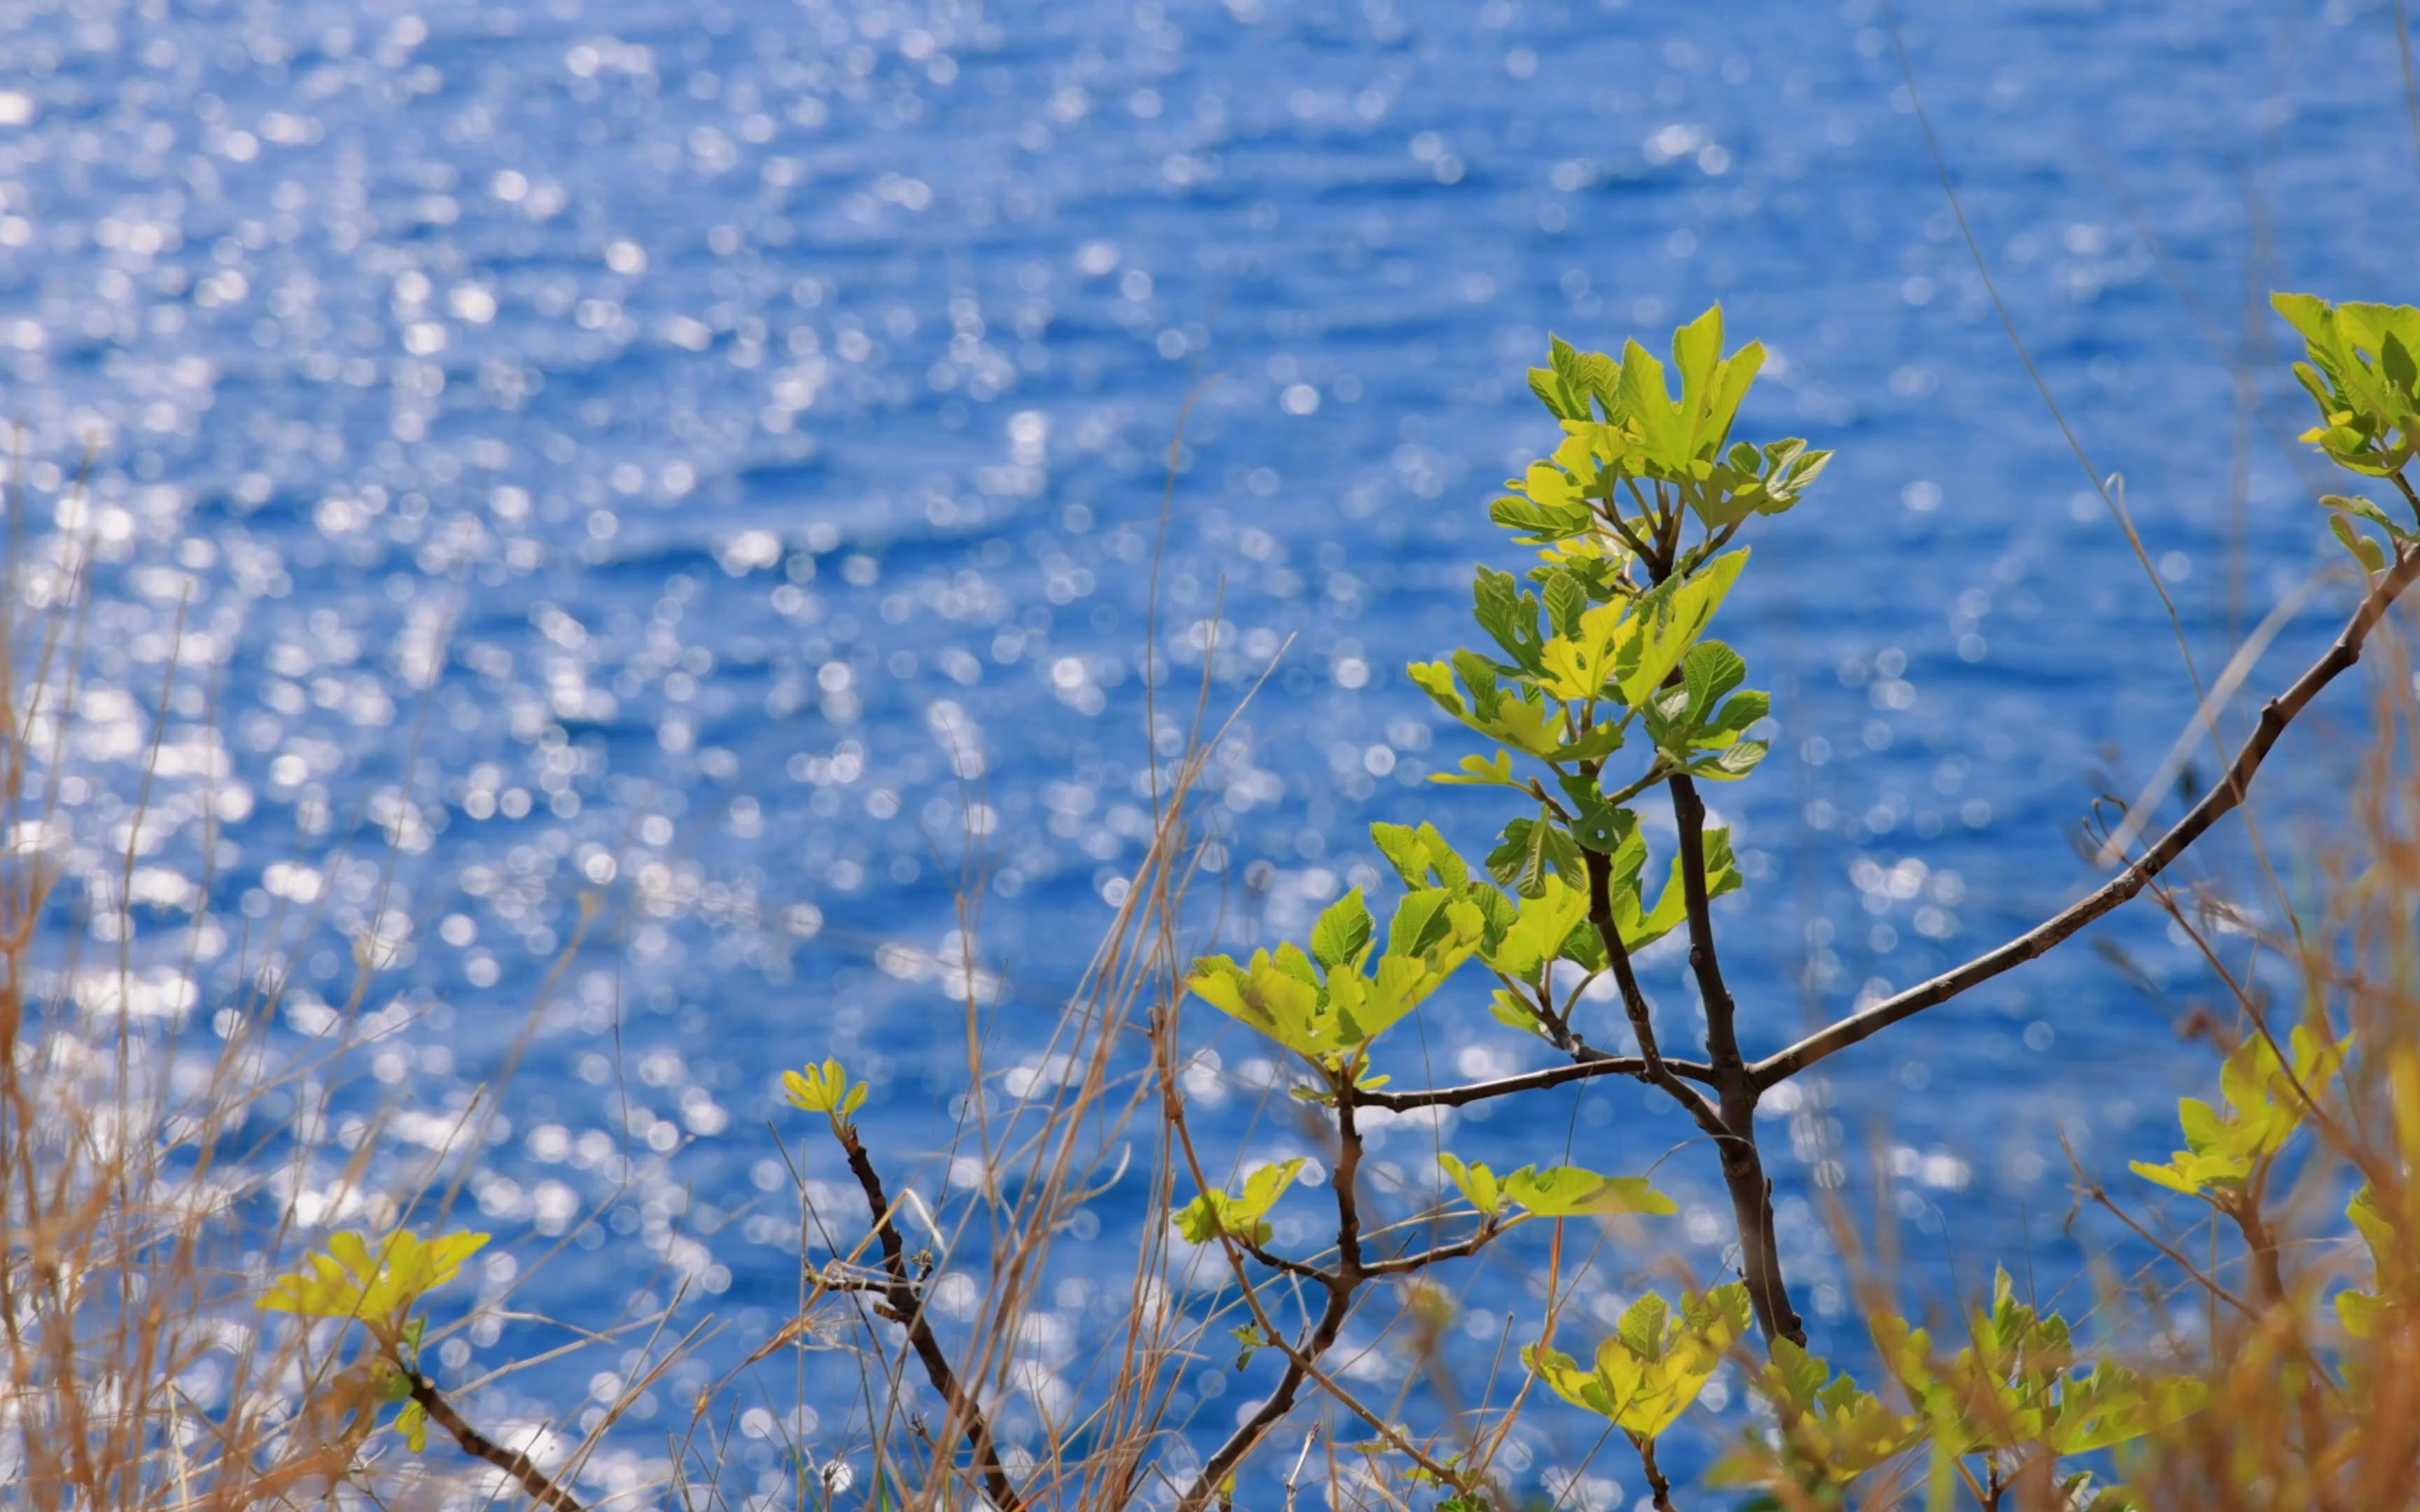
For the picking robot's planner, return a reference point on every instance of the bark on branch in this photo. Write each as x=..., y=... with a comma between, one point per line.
x=541, y=1487
x=905, y=1304
x=1587, y=1065
x=1737, y=1093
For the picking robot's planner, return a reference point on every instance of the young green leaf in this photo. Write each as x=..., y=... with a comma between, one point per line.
x=1663, y=625
x=1422, y=919
x=1519, y=717
x=1329, y=1012
x=1343, y=932
x=1534, y=521
x=1569, y=1192
x=2363, y=509
x=2371, y=556
x=412, y=1423
x=1547, y=920
x=1241, y=1214
x=1641, y=930
x=378, y=1285
x=1420, y=857
x=1566, y=601
x=1530, y=851
x=1513, y=1013
x=2265, y=1108
x=1654, y=1365
x=1493, y=770
x=2363, y=377
x=1478, y=1183
x=1578, y=663
x=1508, y=615
x=824, y=1089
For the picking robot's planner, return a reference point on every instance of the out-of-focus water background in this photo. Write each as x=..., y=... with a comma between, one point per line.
x=702, y=458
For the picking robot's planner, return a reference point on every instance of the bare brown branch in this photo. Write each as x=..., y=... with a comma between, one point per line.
x=1742, y=1163
x=542, y=1488
x=906, y=1304
x=2221, y=799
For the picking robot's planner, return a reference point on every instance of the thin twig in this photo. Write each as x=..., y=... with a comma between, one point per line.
x=907, y=1307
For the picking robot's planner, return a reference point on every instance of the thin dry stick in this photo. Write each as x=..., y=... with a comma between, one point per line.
x=2112, y=498
x=2230, y=680
x=2410, y=81
x=2099, y=1195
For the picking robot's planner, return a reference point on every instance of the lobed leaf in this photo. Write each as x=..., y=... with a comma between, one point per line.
x=377, y=1284
x=1654, y=1365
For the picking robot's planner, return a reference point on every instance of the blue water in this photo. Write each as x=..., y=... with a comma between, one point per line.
x=684, y=454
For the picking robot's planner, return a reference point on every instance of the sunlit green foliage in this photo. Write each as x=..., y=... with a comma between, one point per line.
x=2022, y=1390
x=1604, y=641
x=1241, y=1214
x=1624, y=423
x=2266, y=1105
x=1597, y=677
x=1655, y=1362
x=2363, y=373
x=1323, y=1006
x=2365, y=378
x=376, y=1285
x=824, y=1089
x=2024, y=1381
x=1557, y=1191
x=1600, y=653
x=379, y=1287
x=1827, y=1432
